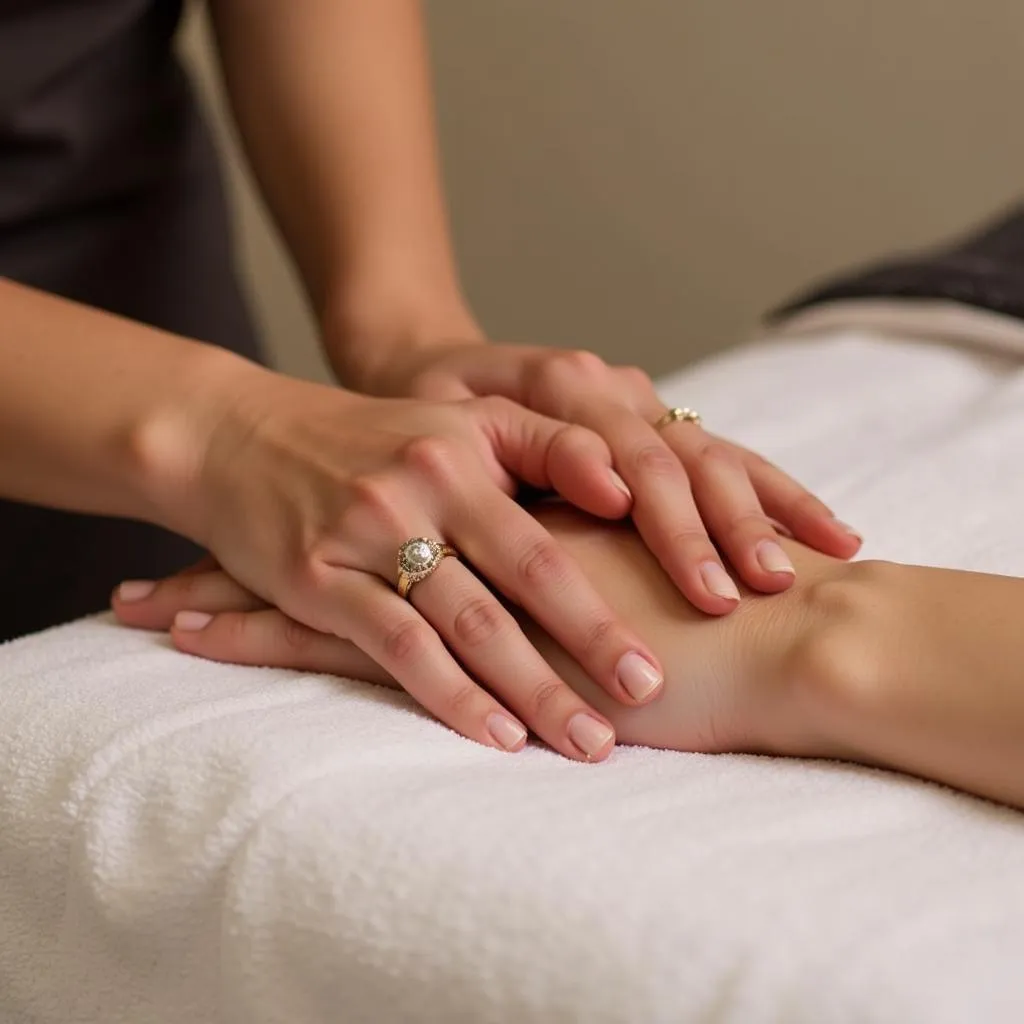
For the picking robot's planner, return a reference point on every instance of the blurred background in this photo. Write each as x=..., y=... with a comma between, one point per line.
x=646, y=177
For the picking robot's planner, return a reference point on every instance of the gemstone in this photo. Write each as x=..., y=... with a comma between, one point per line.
x=418, y=554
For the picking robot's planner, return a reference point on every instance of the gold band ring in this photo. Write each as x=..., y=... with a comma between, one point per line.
x=672, y=415
x=417, y=559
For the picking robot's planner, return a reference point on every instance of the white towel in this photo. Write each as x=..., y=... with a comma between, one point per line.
x=182, y=841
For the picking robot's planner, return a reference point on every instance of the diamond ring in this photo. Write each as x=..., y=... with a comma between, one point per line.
x=671, y=415
x=417, y=559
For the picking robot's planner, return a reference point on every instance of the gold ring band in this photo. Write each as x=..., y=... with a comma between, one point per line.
x=674, y=415
x=418, y=557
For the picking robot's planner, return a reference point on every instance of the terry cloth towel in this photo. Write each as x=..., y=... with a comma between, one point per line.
x=186, y=841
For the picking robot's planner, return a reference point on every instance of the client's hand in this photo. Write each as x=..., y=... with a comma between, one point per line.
x=212, y=616
x=689, y=487
x=729, y=681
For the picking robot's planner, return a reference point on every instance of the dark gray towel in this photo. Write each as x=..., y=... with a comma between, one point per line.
x=984, y=269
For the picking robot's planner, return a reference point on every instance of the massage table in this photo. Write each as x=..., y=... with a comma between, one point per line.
x=183, y=841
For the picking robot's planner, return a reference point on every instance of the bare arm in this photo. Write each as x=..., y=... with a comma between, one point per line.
x=917, y=670
x=332, y=99
x=96, y=410
x=924, y=672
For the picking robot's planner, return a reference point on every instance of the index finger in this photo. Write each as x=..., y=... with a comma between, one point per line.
x=527, y=564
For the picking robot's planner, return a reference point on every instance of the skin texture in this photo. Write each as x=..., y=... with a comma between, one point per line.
x=305, y=492
x=908, y=668
x=334, y=107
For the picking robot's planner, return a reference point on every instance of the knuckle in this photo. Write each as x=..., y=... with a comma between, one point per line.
x=461, y=699
x=566, y=368
x=234, y=630
x=634, y=378
x=692, y=541
x=294, y=635
x=720, y=453
x=374, y=502
x=307, y=572
x=406, y=642
x=751, y=524
x=433, y=456
x=583, y=361
x=655, y=459
x=477, y=622
x=542, y=563
x=187, y=591
x=544, y=695
x=598, y=633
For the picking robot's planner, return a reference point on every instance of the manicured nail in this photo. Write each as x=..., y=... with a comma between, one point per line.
x=135, y=590
x=589, y=734
x=638, y=676
x=506, y=733
x=620, y=484
x=718, y=581
x=191, y=622
x=849, y=529
x=773, y=558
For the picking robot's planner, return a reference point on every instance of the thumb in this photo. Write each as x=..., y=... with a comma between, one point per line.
x=552, y=455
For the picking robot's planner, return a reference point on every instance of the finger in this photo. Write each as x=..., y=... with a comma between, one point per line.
x=731, y=510
x=205, y=564
x=270, y=638
x=579, y=465
x=519, y=557
x=442, y=386
x=553, y=455
x=155, y=607
x=394, y=635
x=665, y=511
x=489, y=642
x=808, y=519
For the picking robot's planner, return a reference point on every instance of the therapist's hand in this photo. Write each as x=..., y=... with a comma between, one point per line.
x=691, y=490
x=304, y=493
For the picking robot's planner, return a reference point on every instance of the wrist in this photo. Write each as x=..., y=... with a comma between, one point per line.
x=375, y=339
x=841, y=665
x=170, y=440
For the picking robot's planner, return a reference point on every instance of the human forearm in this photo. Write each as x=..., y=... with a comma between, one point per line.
x=96, y=411
x=914, y=669
x=332, y=99
x=926, y=675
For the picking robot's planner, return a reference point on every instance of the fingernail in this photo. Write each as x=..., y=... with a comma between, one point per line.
x=718, y=581
x=849, y=529
x=504, y=731
x=191, y=622
x=638, y=676
x=135, y=590
x=620, y=484
x=773, y=558
x=590, y=735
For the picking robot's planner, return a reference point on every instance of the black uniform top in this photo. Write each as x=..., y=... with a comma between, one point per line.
x=110, y=194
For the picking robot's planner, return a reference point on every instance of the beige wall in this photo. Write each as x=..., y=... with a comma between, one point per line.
x=643, y=177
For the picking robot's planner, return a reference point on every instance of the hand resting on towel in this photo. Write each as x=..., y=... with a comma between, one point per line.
x=914, y=669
